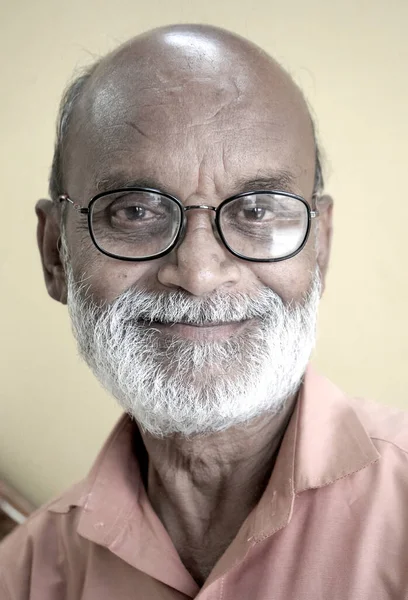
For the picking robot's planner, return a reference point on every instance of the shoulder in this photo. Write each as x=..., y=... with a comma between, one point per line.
x=386, y=426
x=37, y=547
x=43, y=523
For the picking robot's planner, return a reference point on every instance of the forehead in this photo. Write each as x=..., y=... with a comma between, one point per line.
x=189, y=129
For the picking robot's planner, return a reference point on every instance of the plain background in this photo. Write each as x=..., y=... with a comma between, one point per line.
x=351, y=59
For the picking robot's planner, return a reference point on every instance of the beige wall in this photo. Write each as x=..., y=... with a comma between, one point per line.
x=351, y=58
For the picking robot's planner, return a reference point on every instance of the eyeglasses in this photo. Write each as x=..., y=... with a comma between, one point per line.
x=137, y=224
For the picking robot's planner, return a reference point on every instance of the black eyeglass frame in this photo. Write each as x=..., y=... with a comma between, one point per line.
x=311, y=214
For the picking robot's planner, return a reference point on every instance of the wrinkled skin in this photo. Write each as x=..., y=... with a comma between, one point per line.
x=201, y=114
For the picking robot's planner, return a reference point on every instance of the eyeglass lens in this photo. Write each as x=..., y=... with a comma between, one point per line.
x=135, y=224
x=140, y=224
x=264, y=226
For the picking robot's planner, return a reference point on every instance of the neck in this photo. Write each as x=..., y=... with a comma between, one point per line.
x=193, y=484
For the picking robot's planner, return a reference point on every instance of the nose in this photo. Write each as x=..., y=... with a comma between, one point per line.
x=201, y=264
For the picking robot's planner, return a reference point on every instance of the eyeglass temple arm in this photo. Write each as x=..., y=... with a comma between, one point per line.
x=316, y=212
x=78, y=207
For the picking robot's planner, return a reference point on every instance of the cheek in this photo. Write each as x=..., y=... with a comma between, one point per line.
x=292, y=278
x=106, y=277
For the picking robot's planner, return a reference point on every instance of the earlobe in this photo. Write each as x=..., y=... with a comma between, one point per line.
x=325, y=232
x=48, y=239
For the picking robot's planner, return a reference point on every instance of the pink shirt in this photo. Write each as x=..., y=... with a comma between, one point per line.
x=331, y=525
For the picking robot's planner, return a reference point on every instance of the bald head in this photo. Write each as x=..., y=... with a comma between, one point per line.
x=184, y=86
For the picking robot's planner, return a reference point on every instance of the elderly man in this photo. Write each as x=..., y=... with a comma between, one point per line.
x=189, y=236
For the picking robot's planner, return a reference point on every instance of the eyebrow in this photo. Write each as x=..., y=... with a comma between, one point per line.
x=119, y=179
x=274, y=180
x=267, y=180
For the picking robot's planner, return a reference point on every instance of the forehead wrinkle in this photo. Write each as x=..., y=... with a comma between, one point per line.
x=192, y=164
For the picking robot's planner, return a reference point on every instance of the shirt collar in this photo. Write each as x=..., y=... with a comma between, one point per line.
x=331, y=440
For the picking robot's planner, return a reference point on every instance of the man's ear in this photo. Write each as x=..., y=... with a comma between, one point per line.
x=325, y=231
x=48, y=239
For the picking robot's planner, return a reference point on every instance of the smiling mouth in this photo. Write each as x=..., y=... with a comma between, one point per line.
x=205, y=331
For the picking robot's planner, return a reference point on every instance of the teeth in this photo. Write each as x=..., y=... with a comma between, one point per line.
x=185, y=322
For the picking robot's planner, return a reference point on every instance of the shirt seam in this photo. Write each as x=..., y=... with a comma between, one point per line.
x=62, y=550
x=264, y=537
x=237, y=564
x=222, y=587
x=317, y=487
x=390, y=442
x=289, y=513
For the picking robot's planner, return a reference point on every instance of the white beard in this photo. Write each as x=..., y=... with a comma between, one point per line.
x=172, y=385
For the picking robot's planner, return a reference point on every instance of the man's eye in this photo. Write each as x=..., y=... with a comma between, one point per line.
x=258, y=213
x=131, y=213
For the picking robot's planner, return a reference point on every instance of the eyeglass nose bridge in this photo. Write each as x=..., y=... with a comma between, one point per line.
x=183, y=228
x=199, y=207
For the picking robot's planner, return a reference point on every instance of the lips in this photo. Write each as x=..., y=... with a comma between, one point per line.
x=189, y=323
x=200, y=332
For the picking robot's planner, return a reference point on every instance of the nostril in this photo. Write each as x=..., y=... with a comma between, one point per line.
x=198, y=273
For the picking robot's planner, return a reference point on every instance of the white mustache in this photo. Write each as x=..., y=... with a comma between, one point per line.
x=176, y=307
